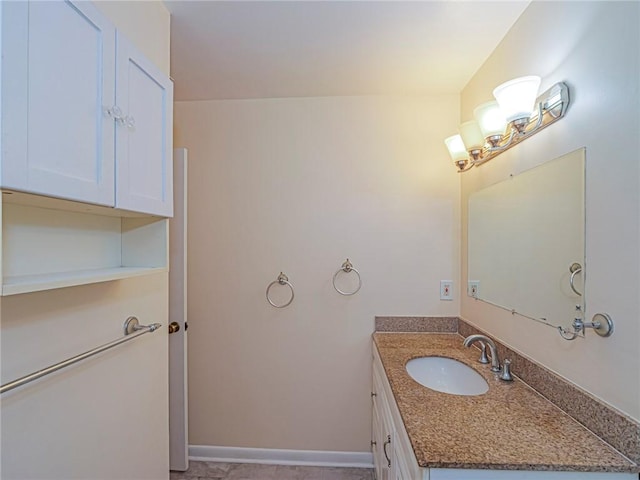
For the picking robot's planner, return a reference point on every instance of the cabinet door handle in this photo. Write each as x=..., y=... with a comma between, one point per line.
x=122, y=120
x=129, y=122
x=174, y=327
x=115, y=113
x=384, y=449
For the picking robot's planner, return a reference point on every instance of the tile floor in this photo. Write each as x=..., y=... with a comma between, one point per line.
x=253, y=471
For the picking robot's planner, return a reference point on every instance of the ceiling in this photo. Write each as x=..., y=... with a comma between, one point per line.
x=262, y=49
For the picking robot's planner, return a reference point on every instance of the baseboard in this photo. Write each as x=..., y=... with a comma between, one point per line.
x=273, y=456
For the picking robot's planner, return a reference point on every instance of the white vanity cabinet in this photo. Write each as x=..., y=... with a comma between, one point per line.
x=85, y=116
x=396, y=461
x=382, y=434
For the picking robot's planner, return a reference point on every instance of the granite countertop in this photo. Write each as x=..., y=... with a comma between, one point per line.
x=511, y=427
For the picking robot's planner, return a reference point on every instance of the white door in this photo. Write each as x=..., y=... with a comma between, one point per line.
x=178, y=411
x=58, y=82
x=144, y=133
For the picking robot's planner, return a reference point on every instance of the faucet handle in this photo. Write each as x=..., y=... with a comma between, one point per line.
x=506, y=371
x=483, y=353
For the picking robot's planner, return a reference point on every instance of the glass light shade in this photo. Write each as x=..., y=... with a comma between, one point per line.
x=490, y=119
x=471, y=135
x=517, y=97
x=456, y=148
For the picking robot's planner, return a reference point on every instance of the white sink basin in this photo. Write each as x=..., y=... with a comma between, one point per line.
x=446, y=375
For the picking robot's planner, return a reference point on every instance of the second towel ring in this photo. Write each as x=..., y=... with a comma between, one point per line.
x=281, y=280
x=347, y=267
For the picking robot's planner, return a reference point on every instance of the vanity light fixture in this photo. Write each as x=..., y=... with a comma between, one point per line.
x=499, y=125
x=472, y=138
x=517, y=98
x=491, y=122
x=457, y=150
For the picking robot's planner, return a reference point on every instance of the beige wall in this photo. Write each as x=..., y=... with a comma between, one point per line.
x=146, y=23
x=298, y=185
x=105, y=418
x=595, y=48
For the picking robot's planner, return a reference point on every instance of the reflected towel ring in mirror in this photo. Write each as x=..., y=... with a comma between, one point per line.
x=347, y=267
x=281, y=280
x=574, y=268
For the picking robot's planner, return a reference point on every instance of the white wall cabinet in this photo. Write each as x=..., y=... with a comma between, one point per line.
x=85, y=116
x=50, y=243
x=58, y=73
x=86, y=150
x=144, y=136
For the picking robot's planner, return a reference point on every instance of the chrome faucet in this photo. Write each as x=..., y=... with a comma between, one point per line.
x=483, y=353
x=495, y=361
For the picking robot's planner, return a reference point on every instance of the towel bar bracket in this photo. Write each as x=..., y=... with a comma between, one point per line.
x=132, y=325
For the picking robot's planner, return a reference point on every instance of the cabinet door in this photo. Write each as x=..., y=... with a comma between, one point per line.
x=379, y=437
x=388, y=440
x=144, y=142
x=401, y=470
x=383, y=431
x=57, y=81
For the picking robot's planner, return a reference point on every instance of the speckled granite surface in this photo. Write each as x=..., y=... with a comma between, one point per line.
x=509, y=427
x=617, y=429
x=417, y=324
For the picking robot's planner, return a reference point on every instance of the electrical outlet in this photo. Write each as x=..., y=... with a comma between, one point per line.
x=472, y=288
x=446, y=290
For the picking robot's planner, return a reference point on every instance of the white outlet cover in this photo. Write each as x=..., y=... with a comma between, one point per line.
x=473, y=286
x=446, y=289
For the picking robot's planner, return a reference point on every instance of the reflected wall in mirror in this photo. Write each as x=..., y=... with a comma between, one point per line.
x=524, y=234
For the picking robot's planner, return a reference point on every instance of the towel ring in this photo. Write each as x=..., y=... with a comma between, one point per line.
x=347, y=267
x=281, y=280
x=574, y=268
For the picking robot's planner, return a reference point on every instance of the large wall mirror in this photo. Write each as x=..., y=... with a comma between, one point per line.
x=526, y=241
